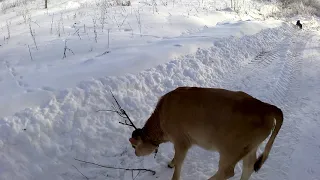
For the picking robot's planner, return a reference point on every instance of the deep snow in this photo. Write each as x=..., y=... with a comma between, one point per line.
x=48, y=112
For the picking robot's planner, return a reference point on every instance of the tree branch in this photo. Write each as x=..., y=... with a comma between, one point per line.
x=126, y=169
x=120, y=111
x=80, y=172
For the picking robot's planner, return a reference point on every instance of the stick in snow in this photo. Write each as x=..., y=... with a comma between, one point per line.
x=121, y=112
x=80, y=172
x=109, y=167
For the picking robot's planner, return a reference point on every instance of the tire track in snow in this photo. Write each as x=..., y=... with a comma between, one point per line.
x=286, y=97
x=265, y=58
x=266, y=49
x=304, y=111
x=285, y=63
x=254, y=78
x=269, y=51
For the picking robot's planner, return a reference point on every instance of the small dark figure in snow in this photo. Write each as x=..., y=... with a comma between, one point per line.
x=299, y=24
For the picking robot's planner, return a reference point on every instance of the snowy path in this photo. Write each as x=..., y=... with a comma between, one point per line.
x=305, y=163
x=275, y=76
x=274, y=65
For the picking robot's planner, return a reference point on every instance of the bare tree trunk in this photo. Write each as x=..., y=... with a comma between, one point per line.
x=45, y=4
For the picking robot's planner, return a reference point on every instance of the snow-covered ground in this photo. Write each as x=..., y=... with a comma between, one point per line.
x=48, y=110
x=30, y=76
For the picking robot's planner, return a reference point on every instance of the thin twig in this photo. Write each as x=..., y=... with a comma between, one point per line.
x=139, y=21
x=109, y=167
x=95, y=30
x=77, y=32
x=8, y=29
x=32, y=33
x=51, y=24
x=30, y=53
x=61, y=20
x=108, y=38
x=136, y=175
x=121, y=112
x=65, y=49
x=35, y=23
x=80, y=172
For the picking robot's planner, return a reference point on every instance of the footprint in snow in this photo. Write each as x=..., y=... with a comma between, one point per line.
x=29, y=90
x=14, y=72
x=22, y=84
x=46, y=88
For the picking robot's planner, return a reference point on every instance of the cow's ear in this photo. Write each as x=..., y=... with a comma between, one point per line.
x=133, y=141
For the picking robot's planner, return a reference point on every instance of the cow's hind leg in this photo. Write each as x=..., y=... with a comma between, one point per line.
x=228, y=161
x=248, y=163
x=226, y=167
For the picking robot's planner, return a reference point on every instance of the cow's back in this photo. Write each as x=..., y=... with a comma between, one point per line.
x=211, y=117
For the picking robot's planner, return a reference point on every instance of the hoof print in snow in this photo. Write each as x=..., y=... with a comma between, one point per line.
x=46, y=88
x=29, y=91
x=177, y=45
x=22, y=84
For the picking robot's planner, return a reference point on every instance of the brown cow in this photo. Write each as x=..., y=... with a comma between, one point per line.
x=231, y=123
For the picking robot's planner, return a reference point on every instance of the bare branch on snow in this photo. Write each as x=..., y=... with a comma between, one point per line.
x=126, y=169
x=65, y=50
x=121, y=112
x=80, y=172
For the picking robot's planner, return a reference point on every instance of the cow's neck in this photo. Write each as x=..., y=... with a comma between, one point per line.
x=152, y=130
